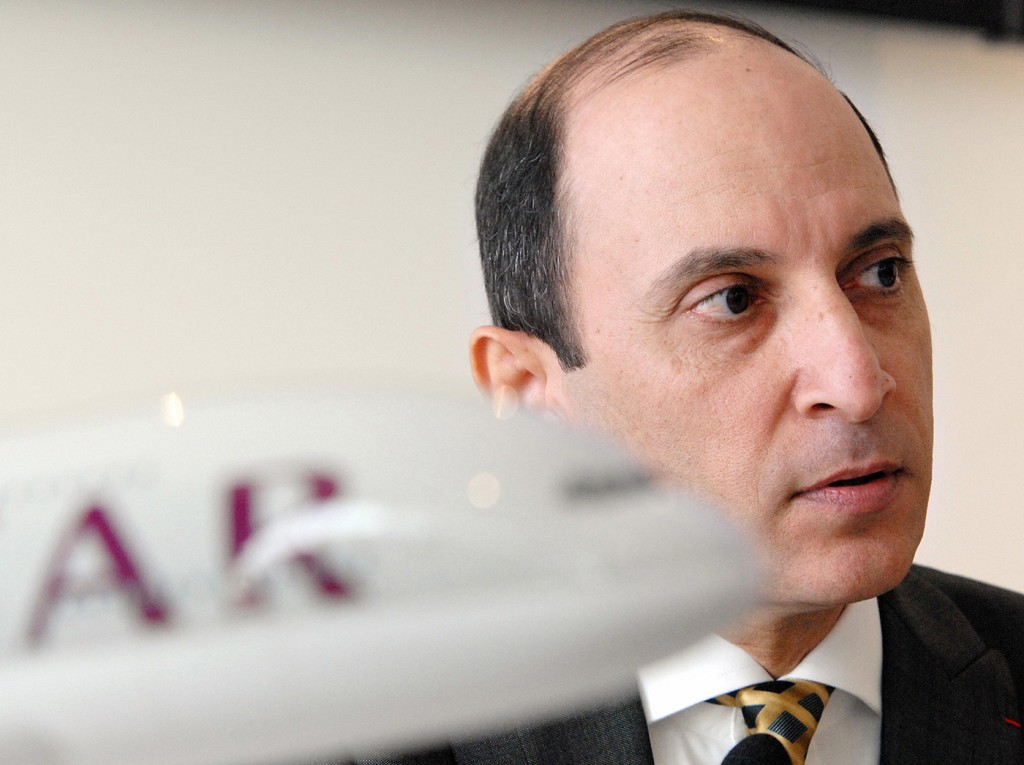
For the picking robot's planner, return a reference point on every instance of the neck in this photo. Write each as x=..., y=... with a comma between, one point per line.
x=779, y=641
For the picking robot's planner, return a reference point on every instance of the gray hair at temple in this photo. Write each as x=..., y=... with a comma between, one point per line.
x=522, y=214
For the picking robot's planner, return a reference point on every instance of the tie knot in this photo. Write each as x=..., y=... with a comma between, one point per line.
x=787, y=710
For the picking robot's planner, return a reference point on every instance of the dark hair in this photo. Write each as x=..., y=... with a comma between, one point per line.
x=522, y=223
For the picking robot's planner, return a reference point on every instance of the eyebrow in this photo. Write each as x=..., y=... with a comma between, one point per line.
x=700, y=263
x=703, y=262
x=890, y=229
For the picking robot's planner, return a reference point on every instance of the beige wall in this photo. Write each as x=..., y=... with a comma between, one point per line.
x=207, y=196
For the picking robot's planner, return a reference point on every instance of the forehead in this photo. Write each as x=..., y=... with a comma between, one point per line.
x=739, y=141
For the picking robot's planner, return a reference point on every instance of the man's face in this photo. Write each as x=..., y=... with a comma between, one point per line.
x=753, y=326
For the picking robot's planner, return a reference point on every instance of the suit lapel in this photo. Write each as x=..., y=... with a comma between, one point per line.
x=945, y=696
x=612, y=735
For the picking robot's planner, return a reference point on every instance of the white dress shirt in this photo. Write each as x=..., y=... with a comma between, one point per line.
x=686, y=731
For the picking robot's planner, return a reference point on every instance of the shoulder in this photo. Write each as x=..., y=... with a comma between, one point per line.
x=955, y=615
x=441, y=756
x=997, y=614
x=611, y=734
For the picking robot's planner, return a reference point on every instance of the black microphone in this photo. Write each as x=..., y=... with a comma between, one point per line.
x=758, y=749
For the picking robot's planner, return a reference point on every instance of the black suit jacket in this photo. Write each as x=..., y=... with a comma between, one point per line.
x=952, y=681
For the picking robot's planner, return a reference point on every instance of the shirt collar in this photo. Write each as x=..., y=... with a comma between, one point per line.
x=850, y=658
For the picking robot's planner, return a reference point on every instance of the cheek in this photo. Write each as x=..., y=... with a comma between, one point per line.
x=908, y=340
x=708, y=436
x=696, y=417
x=908, y=358
x=737, y=413
x=647, y=410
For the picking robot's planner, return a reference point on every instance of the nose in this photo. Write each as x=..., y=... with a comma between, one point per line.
x=838, y=369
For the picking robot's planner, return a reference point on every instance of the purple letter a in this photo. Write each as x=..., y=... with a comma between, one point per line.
x=127, y=574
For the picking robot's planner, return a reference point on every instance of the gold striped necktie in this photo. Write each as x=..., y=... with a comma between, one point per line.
x=781, y=717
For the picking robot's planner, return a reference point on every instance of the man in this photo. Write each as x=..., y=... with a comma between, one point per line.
x=691, y=241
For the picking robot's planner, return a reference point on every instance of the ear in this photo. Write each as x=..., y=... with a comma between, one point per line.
x=510, y=364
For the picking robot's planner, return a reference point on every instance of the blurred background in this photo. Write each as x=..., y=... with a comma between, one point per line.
x=209, y=196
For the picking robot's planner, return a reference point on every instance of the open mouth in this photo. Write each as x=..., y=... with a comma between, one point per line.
x=861, y=479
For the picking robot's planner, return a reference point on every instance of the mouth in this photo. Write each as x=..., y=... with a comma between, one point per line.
x=860, y=480
x=860, y=488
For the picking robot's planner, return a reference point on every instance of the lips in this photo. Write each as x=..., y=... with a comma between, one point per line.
x=855, y=476
x=869, y=488
x=860, y=479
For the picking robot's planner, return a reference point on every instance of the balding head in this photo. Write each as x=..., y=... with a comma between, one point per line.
x=524, y=223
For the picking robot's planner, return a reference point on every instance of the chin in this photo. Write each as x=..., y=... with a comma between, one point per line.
x=844, y=577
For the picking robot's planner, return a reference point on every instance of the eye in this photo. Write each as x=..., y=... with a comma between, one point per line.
x=734, y=300
x=884, y=274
